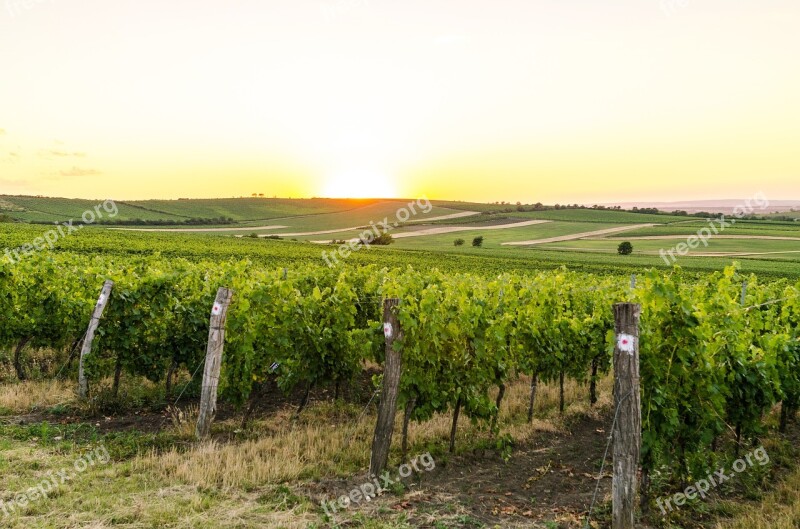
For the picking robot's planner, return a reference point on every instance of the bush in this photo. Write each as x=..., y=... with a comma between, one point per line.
x=477, y=242
x=625, y=248
x=384, y=239
x=458, y=242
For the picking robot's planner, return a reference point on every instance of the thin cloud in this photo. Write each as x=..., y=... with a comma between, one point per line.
x=11, y=157
x=14, y=183
x=79, y=171
x=53, y=153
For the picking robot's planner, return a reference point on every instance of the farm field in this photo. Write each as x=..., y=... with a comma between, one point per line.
x=241, y=210
x=727, y=247
x=523, y=473
x=430, y=251
x=294, y=428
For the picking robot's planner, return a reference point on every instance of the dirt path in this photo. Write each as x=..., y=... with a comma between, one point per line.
x=738, y=254
x=458, y=215
x=677, y=237
x=690, y=254
x=551, y=479
x=453, y=229
x=200, y=230
x=583, y=235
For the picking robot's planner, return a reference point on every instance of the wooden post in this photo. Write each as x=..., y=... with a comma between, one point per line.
x=628, y=425
x=216, y=342
x=633, y=281
x=86, y=348
x=382, y=440
x=744, y=294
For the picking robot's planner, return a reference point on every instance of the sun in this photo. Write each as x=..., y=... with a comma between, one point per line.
x=359, y=184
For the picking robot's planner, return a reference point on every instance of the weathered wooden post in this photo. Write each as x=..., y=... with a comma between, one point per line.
x=216, y=342
x=384, y=427
x=97, y=313
x=628, y=425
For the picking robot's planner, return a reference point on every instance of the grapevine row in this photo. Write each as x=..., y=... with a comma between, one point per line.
x=712, y=361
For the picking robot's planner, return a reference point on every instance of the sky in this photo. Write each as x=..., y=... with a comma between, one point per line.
x=570, y=101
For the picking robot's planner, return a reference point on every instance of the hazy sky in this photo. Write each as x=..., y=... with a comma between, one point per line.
x=531, y=100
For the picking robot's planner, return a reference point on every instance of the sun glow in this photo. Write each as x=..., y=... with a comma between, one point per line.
x=359, y=184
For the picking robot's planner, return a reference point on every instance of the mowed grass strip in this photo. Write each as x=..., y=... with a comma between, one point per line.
x=763, y=249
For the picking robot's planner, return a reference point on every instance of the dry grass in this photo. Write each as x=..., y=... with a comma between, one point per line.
x=23, y=397
x=779, y=510
x=184, y=420
x=327, y=441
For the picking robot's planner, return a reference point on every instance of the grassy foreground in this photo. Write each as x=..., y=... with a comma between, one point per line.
x=140, y=467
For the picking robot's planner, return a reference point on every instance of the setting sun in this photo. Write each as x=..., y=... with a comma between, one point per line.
x=359, y=184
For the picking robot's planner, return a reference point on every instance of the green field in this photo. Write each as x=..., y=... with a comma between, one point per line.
x=592, y=215
x=772, y=249
x=356, y=217
x=247, y=211
x=254, y=468
x=305, y=220
x=238, y=209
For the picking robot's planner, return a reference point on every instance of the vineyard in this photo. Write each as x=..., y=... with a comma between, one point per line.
x=717, y=354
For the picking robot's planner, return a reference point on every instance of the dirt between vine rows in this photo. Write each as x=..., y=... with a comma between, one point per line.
x=551, y=479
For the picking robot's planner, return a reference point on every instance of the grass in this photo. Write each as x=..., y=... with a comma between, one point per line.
x=362, y=216
x=741, y=228
x=334, y=213
x=240, y=209
x=285, y=253
x=493, y=239
x=731, y=246
x=598, y=215
x=276, y=472
x=780, y=509
x=28, y=396
x=265, y=476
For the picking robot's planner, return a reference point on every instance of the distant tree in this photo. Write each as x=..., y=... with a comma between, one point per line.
x=625, y=248
x=6, y=218
x=458, y=242
x=477, y=242
x=384, y=239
